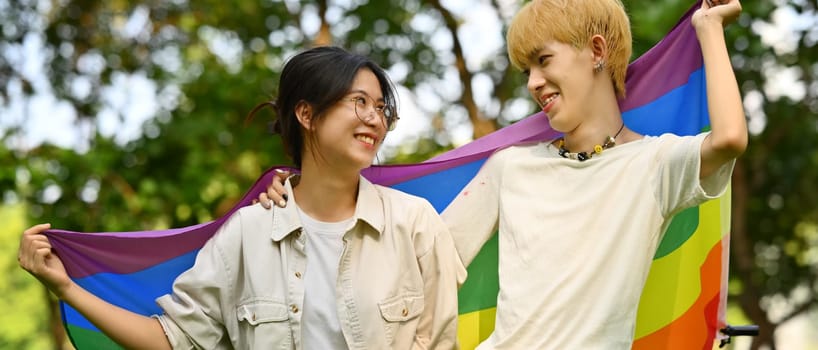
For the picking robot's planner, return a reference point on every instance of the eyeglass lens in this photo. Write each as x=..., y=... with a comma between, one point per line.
x=365, y=107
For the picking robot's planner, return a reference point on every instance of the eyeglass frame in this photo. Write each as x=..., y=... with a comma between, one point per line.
x=385, y=113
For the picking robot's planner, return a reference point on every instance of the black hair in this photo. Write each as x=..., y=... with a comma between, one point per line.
x=320, y=76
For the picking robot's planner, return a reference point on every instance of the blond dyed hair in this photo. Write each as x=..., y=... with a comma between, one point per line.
x=572, y=22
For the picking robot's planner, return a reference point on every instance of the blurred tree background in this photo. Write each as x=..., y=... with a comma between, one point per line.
x=157, y=93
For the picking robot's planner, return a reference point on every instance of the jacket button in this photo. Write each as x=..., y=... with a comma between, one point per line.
x=294, y=308
x=404, y=312
x=298, y=274
x=254, y=317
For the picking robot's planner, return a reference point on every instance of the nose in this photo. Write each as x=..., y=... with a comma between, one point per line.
x=536, y=81
x=370, y=116
x=371, y=112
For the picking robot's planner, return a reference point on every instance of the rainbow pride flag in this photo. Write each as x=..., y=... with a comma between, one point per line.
x=683, y=303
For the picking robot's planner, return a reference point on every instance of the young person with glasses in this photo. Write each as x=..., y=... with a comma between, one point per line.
x=348, y=265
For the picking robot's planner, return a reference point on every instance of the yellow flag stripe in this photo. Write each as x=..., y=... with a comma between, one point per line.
x=674, y=283
x=474, y=327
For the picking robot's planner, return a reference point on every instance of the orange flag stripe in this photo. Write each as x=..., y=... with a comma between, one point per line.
x=692, y=329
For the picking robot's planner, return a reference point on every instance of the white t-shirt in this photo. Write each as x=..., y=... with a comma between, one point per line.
x=576, y=239
x=321, y=325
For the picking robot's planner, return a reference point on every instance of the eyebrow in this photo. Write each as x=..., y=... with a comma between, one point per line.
x=359, y=91
x=532, y=54
x=538, y=50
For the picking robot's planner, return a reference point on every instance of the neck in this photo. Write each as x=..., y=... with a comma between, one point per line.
x=585, y=139
x=600, y=120
x=326, y=194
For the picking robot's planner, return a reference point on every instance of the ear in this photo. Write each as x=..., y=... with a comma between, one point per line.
x=599, y=48
x=303, y=112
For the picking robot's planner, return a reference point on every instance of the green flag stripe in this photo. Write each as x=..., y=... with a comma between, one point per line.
x=83, y=338
x=683, y=225
x=481, y=287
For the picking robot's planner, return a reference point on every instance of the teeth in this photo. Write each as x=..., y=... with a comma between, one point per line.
x=549, y=99
x=365, y=139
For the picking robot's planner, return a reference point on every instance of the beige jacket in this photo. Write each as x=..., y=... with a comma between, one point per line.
x=396, y=288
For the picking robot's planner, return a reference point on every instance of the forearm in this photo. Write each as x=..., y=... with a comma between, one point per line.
x=728, y=136
x=126, y=328
x=473, y=215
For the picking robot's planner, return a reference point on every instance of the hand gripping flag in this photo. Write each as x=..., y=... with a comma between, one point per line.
x=683, y=302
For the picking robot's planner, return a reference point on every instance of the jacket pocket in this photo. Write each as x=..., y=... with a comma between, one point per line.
x=400, y=313
x=402, y=307
x=259, y=312
x=264, y=325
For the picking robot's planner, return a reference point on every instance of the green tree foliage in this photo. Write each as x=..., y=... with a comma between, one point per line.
x=24, y=320
x=775, y=226
x=207, y=63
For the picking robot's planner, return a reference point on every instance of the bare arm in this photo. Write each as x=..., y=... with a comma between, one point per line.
x=728, y=137
x=129, y=329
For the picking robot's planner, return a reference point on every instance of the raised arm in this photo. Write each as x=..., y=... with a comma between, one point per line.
x=129, y=329
x=728, y=137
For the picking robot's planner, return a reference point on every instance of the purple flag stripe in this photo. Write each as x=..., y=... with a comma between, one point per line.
x=649, y=77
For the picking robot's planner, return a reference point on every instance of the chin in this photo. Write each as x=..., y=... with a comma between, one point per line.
x=362, y=162
x=557, y=126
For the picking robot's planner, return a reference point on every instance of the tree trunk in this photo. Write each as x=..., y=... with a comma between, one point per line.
x=55, y=322
x=324, y=37
x=743, y=259
x=481, y=126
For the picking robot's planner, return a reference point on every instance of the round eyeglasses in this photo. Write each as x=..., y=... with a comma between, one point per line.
x=366, y=107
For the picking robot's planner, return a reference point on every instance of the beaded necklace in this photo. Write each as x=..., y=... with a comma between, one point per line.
x=610, y=141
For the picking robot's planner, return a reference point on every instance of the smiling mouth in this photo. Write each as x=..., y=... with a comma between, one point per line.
x=546, y=104
x=365, y=139
x=548, y=100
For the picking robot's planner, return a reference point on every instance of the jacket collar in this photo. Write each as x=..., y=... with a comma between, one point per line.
x=368, y=210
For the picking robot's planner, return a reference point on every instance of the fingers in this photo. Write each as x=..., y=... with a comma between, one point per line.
x=276, y=193
x=37, y=229
x=265, y=202
x=714, y=3
x=34, y=249
x=30, y=236
x=37, y=257
x=728, y=10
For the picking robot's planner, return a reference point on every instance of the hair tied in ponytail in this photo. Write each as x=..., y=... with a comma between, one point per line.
x=274, y=126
